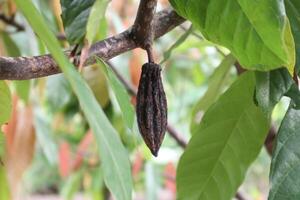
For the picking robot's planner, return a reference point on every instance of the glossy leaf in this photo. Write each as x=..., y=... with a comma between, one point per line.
x=121, y=94
x=293, y=12
x=224, y=145
x=285, y=168
x=75, y=14
x=114, y=157
x=257, y=32
x=5, y=103
x=97, y=14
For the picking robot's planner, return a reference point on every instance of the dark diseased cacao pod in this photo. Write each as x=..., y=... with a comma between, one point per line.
x=151, y=107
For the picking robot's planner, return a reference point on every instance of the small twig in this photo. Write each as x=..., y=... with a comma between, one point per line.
x=61, y=36
x=150, y=54
x=239, y=68
x=270, y=140
x=239, y=196
x=295, y=77
x=193, y=33
x=11, y=21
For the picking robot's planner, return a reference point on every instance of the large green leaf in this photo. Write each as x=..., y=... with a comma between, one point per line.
x=293, y=12
x=121, y=94
x=285, y=167
x=75, y=14
x=257, y=32
x=224, y=145
x=5, y=103
x=114, y=157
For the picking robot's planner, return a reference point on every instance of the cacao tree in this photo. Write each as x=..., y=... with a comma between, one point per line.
x=104, y=83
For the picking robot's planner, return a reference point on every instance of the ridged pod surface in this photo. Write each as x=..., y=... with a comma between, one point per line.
x=151, y=107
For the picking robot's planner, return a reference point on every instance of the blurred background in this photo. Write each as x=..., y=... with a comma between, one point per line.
x=50, y=152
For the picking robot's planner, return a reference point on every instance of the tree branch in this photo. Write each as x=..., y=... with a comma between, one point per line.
x=22, y=68
x=142, y=29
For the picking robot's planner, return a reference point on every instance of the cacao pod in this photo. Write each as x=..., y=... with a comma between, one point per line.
x=151, y=107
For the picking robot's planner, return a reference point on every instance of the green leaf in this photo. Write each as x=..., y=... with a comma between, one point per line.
x=23, y=89
x=257, y=32
x=293, y=12
x=42, y=124
x=181, y=39
x=4, y=189
x=271, y=87
x=96, y=16
x=285, y=168
x=121, y=94
x=11, y=47
x=224, y=145
x=216, y=84
x=75, y=14
x=2, y=144
x=5, y=103
x=58, y=92
x=72, y=185
x=114, y=157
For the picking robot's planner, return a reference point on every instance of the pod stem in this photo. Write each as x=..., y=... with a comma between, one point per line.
x=150, y=53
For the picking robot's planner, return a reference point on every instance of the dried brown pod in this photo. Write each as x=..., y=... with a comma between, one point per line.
x=151, y=107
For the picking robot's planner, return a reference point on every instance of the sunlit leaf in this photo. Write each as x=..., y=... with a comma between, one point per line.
x=285, y=168
x=114, y=158
x=257, y=32
x=224, y=145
